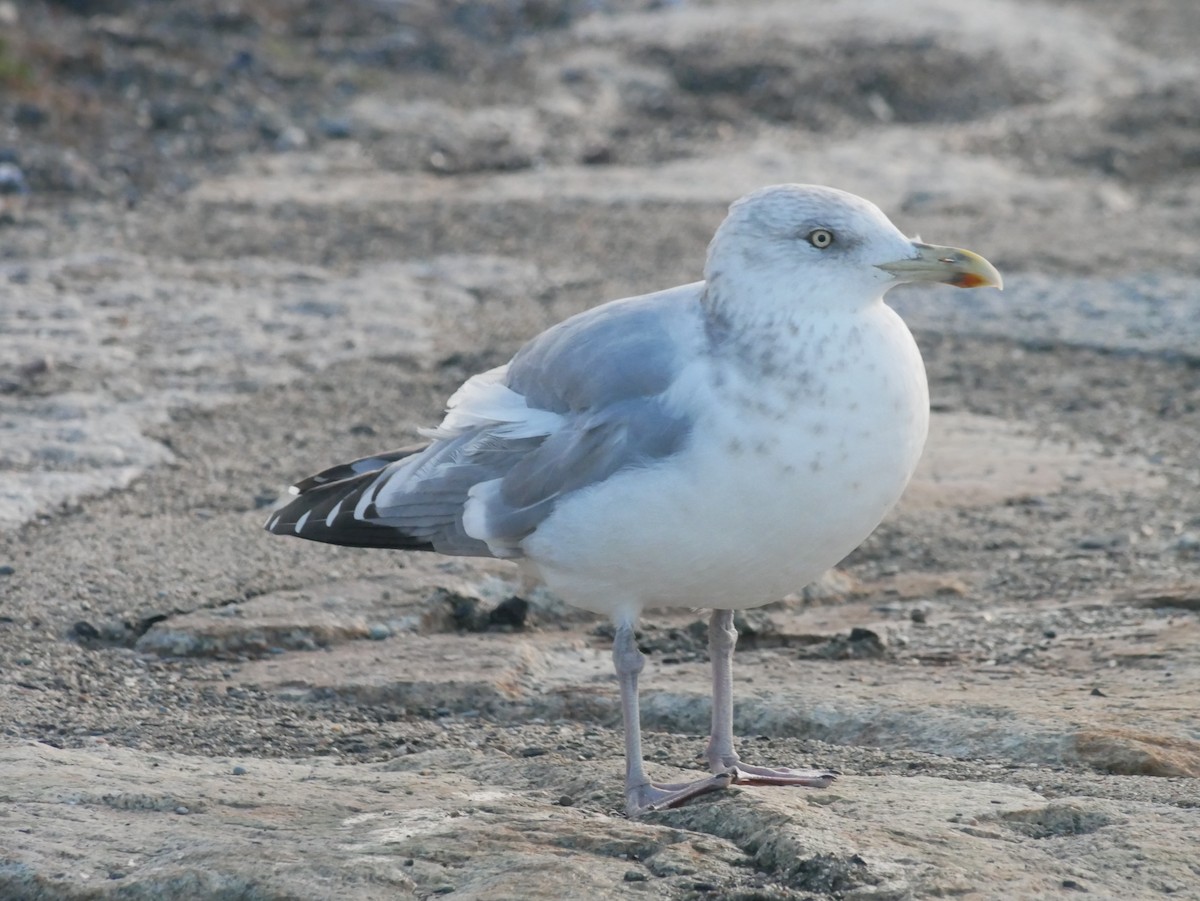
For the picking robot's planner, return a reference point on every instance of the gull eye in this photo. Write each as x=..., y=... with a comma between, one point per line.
x=820, y=238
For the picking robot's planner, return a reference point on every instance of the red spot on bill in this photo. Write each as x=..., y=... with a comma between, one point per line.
x=969, y=280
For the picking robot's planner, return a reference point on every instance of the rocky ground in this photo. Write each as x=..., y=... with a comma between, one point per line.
x=241, y=241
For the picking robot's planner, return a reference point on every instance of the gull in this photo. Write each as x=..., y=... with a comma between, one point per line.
x=718, y=444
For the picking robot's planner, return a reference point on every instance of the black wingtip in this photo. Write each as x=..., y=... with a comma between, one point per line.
x=326, y=513
x=345, y=471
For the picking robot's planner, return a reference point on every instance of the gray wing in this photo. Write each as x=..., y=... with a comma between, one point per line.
x=577, y=404
x=612, y=353
x=588, y=449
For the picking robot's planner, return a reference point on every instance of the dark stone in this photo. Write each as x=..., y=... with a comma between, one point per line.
x=12, y=180
x=29, y=115
x=599, y=155
x=859, y=644
x=335, y=128
x=868, y=643
x=510, y=612
x=85, y=630
x=463, y=611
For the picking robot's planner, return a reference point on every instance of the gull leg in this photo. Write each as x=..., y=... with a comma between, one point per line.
x=722, y=758
x=629, y=663
x=642, y=795
x=722, y=637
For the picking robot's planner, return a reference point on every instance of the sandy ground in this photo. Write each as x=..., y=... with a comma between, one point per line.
x=242, y=241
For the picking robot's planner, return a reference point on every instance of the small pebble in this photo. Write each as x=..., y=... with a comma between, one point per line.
x=12, y=179
x=291, y=138
x=30, y=115
x=532, y=752
x=379, y=632
x=242, y=61
x=240, y=771
x=6, y=570
x=1187, y=542
x=334, y=127
x=1097, y=693
x=85, y=630
x=566, y=801
x=181, y=810
x=635, y=876
x=597, y=155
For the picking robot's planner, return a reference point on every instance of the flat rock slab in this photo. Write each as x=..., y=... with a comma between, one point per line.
x=462, y=825
x=975, y=461
x=1027, y=700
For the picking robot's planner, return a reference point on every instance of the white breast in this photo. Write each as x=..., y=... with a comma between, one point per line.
x=784, y=476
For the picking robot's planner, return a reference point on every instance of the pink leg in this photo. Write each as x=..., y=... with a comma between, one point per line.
x=722, y=758
x=642, y=795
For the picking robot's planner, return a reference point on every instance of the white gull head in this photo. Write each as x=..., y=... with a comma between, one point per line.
x=815, y=247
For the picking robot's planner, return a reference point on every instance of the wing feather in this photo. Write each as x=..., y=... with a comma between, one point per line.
x=580, y=402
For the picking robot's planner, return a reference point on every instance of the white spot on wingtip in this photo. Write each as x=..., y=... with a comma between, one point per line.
x=301, y=521
x=337, y=508
x=272, y=522
x=368, y=496
x=293, y=490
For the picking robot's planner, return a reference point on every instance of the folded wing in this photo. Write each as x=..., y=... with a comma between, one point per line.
x=580, y=402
